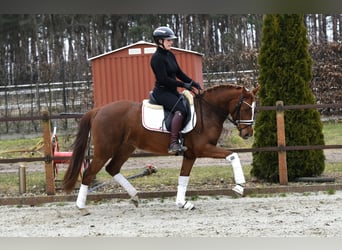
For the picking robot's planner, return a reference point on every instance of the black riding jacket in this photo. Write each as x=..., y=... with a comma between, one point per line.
x=166, y=69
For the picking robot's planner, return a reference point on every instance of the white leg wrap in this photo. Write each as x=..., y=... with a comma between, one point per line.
x=181, y=190
x=119, y=178
x=237, y=168
x=82, y=196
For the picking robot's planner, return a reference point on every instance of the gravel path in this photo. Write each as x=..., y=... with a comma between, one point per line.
x=293, y=215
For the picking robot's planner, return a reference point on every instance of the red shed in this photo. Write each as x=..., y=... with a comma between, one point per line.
x=125, y=73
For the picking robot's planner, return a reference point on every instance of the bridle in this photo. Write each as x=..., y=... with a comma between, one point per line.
x=226, y=115
x=237, y=110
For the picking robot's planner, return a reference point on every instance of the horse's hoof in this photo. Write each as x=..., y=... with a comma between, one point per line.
x=84, y=211
x=187, y=205
x=238, y=189
x=135, y=200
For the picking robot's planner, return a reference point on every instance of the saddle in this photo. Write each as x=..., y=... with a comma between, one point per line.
x=156, y=118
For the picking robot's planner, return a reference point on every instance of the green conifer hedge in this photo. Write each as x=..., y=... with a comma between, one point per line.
x=285, y=72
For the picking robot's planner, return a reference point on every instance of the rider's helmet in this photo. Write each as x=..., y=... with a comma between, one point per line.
x=163, y=32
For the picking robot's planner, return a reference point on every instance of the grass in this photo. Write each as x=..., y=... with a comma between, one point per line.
x=35, y=183
x=201, y=177
x=34, y=147
x=27, y=148
x=332, y=133
x=21, y=148
x=165, y=179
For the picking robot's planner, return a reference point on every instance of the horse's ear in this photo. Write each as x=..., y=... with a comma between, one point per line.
x=256, y=89
x=245, y=90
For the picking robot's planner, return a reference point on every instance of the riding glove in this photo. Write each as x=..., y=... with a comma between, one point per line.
x=196, y=85
x=188, y=86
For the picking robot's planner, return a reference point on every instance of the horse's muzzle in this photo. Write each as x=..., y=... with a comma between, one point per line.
x=246, y=132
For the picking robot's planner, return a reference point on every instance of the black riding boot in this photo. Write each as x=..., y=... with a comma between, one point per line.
x=176, y=124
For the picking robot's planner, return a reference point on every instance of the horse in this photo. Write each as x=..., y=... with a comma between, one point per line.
x=116, y=129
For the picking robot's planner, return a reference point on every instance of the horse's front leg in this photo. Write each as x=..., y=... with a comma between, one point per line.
x=238, y=173
x=216, y=152
x=183, y=181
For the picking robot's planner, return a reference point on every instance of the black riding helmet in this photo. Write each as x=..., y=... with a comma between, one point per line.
x=163, y=32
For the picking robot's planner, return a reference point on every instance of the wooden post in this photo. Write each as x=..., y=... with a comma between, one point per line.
x=283, y=179
x=22, y=179
x=49, y=173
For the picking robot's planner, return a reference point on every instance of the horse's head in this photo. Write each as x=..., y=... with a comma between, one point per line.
x=243, y=113
x=232, y=102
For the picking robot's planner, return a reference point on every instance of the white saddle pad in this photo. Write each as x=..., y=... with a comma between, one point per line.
x=153, y=116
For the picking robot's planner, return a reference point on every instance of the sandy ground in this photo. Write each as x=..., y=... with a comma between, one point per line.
x=292, y=215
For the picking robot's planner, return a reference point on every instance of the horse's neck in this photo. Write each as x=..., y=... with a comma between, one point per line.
x=214, y=105
x=222, y=97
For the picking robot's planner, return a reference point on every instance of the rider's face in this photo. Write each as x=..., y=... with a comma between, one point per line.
x=168, y=43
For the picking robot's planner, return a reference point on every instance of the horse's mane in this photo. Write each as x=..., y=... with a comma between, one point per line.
x=222, y=86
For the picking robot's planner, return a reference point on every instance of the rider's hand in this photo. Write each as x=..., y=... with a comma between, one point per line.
x=188, y=86
x=196, y=85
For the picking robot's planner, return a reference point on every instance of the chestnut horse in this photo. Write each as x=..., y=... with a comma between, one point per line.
x=117, y=130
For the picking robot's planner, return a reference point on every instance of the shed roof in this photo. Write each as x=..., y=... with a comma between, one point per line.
x=141, y=43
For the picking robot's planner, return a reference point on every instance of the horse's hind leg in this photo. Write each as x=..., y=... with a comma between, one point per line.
x=119, y=157
x=113, y=168
x=88, y=176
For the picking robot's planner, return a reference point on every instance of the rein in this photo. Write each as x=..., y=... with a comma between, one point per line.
x=217, y=110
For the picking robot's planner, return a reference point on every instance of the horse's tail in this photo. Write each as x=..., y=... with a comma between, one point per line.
x=77, y=158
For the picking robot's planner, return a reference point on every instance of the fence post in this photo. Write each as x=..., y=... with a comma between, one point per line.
x=283, y=179
x=22, y=179
x=49, y=172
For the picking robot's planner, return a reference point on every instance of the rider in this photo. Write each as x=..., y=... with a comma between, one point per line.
x=166, y=69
